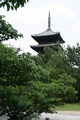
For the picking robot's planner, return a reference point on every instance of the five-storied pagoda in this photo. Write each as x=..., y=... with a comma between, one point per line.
x=46, y=38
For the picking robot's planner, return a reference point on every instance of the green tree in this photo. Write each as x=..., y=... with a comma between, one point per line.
x=13, y=4
x=7, y=31
x=23, y=92
x=73, y=57
x=57, y=69
x=68, y=82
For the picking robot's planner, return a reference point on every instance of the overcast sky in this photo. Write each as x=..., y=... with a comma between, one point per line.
x=33, y=19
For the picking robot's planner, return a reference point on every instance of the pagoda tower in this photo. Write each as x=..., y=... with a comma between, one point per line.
x=46, y=38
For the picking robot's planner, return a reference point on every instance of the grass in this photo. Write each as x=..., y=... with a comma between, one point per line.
x=69, y=107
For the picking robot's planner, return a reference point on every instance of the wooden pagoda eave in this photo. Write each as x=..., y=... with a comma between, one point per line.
x=48, y=38
x=39, y=48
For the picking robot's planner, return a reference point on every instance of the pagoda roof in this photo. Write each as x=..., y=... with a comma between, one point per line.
x=48, y=36
x=48, y=32
x=39, y=48
x=43, y=45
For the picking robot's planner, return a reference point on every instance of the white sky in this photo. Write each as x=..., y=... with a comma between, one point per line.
x=33, y=19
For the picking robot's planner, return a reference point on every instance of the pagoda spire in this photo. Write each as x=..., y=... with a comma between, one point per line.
x=49, y=21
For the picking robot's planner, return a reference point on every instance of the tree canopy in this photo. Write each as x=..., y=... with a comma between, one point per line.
x=13, y=4
x=28, y=88
x=23, y=90
x=7, y=31
x=59, y=70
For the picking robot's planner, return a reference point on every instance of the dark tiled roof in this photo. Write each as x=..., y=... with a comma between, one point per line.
x=46, y=33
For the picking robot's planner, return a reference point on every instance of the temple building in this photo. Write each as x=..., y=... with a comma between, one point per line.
x=46, y=38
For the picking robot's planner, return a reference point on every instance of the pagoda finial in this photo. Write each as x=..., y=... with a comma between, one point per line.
x=49, y=21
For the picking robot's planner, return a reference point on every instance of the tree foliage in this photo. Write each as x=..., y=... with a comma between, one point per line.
x=73, y=57
x=28, y=88
x=23, y=89
x=58, y=69
x=7, y=31
x=13, y=4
